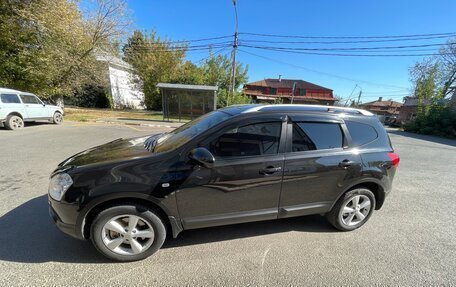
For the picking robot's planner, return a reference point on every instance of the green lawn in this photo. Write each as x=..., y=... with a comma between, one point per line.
x=91, y=115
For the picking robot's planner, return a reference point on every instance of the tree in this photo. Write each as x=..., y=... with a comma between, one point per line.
x=217, y=72
x=338, y=100
x=154, y=60
x=190, y=74
x=47, y=47
x=424, y=76
x=434, y=79
x=447, y=60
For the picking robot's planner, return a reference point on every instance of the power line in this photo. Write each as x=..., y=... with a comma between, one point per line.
x=383, y=92
x=347, y=42
x=323, y=73
x=186, y=50
x=210, y=55
x=195, y=40
x=347, y=48
x=341, y=54
x=348, y=37
x=155, y=46
x=386, y=95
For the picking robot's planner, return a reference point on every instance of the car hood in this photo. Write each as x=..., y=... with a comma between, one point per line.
x=117, y=150
x=54, y=107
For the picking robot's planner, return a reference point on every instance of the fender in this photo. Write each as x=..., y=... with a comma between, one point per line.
x=14, y=112
x=167, y=205
x=361, y=181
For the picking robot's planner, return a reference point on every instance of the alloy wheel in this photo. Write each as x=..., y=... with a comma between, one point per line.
x=17, y=123
x=127, y=234
x=355, y=210
x=58, y=118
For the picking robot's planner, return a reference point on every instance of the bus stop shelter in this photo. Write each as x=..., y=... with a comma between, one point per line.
x=187, y=101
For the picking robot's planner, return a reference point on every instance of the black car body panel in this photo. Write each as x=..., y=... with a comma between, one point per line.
x=234, y=190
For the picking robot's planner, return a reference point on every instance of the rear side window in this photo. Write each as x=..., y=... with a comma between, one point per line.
x=312, y=136
x=27, y=99
x=10, y=99
x=249, y=140
x=361, y=133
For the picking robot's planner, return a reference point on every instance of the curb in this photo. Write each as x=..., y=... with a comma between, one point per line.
x=135, y=124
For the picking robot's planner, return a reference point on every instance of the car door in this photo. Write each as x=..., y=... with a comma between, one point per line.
x=318, y=165
x=10, y=103
x=245, y=180
x=34, y=108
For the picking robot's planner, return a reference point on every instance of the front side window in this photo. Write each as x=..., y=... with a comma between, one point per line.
x=250, y=140
x=185, y=133
x=316, y=136
x=28, y=99
x=10, y=99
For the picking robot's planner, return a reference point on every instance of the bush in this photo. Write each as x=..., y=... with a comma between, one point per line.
x=224, y=98
x=152, y=99
x=91, y=96
x=439, y=121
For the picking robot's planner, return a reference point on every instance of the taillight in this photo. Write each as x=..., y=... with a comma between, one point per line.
x=394, y=158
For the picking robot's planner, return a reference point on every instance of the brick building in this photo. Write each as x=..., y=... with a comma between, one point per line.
x=270, y=90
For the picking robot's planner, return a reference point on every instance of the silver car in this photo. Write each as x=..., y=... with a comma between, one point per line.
x=18, y=107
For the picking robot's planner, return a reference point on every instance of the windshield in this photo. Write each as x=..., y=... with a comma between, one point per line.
x=185, y=133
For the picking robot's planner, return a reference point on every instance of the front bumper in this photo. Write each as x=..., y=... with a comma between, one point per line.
x=67, y=228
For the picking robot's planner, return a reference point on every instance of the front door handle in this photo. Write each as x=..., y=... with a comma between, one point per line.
x=270, y=170
x=346, y=163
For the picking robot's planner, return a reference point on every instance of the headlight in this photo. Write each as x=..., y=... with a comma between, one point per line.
x=59, y=185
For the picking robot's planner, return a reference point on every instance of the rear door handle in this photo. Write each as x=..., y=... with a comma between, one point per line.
x=270, y=170
x=346, y=163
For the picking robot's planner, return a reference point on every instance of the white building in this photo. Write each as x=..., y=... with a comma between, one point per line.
x=125, y=93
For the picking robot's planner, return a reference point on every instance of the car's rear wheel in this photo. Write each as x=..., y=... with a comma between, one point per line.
x=57, y=118
x=128, y=232
x=14, y=122
x=352, y=210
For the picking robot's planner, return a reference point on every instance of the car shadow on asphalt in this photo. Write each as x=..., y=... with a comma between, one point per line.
x=27, y=125
x=430, y=138
x=29, y=235
x=310, y=223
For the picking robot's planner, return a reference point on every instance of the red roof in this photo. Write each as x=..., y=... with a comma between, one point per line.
x=392, y=104
x=287, y=83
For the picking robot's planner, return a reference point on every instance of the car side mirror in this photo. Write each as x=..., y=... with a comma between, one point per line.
x=202, y=156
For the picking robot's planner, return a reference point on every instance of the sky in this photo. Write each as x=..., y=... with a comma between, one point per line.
x=347, y=76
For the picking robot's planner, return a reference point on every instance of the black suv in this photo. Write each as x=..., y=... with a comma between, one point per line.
x=237, y=164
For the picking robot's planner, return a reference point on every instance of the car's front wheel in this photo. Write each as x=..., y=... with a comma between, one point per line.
x=128, y=232
x=352, y=210
x=14, y=122
x=57, y=118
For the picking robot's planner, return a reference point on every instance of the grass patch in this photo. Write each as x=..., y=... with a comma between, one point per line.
x=91, y=115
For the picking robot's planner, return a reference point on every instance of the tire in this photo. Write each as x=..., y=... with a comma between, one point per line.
x=111, y=236
x=14, y=122
x=57, y=118
x=341, y=217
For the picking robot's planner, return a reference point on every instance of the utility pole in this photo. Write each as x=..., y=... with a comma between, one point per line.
x=293, y=92
x=359, y=97
x=349, y=97
x=233, y=54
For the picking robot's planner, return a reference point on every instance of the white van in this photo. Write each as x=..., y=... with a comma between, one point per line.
x=17, y=107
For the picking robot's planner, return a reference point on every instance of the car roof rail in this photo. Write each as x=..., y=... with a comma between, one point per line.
x=316, y=108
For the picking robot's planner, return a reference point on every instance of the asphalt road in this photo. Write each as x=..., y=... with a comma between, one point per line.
x=410, y=242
